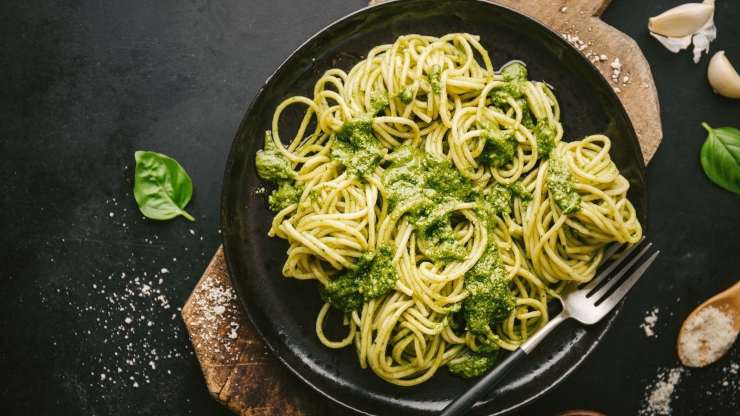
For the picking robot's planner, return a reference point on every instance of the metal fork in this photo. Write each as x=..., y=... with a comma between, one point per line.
x=587, y=305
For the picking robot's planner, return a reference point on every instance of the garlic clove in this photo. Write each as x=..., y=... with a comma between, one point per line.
x=723, y=77
x=683, y=20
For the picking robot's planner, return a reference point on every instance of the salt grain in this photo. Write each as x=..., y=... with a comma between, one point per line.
x=658, y=399
x=706, y=336
x=214, y=305
x=128, y=315
x=648, y=324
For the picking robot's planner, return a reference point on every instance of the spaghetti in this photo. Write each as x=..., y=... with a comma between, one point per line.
x=438, y=207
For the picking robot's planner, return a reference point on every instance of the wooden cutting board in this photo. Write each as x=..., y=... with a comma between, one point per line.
x=239, y=370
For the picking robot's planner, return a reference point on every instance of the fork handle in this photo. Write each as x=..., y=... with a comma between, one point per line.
x=465, y=402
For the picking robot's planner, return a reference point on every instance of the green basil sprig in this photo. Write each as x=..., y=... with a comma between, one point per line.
x=720, y=157
x=162, y=188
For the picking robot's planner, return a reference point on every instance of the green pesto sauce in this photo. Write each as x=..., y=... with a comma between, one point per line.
x=561, y=188
x=489, y=299
x=271, y=164
x=357, y=148
x=517, y=190
x=545, y=135
x=285, y=195
x=435, y=185
x=432, y=185
x=378, y=102
x=500, y=148
x=406, y=95
x=414, y=173
x=528, y=119
x=472, y=364
x=435, y=78
x=498, y=199
x=510, y=89
x=435, y=235
x=514, y=71
x=374, y=276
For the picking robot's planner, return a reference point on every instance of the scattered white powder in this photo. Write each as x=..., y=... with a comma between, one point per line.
x=214, y=306
x=660, y=394
x=128, y=314
x=706, y=336
x=724, y=388
x=648, y=324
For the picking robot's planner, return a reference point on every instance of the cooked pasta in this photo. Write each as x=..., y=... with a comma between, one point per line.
x=437, y=205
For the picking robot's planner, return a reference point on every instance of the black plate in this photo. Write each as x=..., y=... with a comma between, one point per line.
x=284, y=310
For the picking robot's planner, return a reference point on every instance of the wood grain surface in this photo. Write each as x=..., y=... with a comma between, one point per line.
x=239, y=370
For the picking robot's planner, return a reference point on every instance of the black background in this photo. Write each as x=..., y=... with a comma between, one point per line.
x=83, y=84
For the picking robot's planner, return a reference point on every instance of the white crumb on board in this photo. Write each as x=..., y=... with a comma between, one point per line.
x=614, y=70
x=214, y=306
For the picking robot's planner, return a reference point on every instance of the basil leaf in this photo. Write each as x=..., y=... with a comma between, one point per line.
x=720, y=157
x=162, y=188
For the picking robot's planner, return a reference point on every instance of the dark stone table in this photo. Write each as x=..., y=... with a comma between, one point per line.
x=89, y=290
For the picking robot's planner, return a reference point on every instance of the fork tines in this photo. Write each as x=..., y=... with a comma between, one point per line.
x=599, y=288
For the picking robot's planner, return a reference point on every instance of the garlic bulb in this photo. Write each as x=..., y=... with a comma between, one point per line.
x=683, y=25
x=723, y=77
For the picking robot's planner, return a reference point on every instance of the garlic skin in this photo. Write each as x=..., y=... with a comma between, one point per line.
x=723, y=77
x=673, y=44
x=683, y=25
x=680, y=21
x=703, y=38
